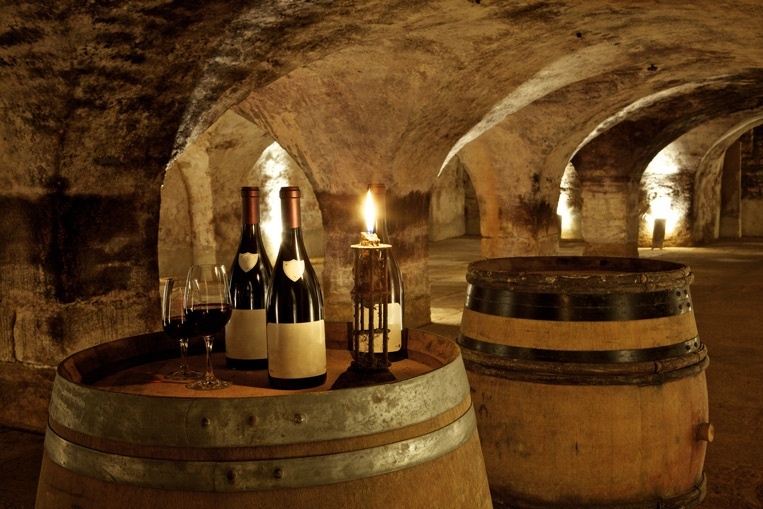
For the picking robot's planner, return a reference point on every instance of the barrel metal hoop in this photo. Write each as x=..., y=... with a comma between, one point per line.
x=583, y=356
x=577, y=307
x=232, y=476
x=563, y=373
x=690, y=499
x=226, y=422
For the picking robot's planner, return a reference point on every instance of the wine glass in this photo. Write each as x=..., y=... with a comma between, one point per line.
x=207, y=309
x=176, y=326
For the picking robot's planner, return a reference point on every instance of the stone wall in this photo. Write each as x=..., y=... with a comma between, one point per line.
x=95, y=100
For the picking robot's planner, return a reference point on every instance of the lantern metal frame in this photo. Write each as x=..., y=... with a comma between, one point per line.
x=371, y=291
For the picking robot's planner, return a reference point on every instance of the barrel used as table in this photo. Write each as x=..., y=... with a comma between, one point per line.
x=120, y=436
x=588, y=380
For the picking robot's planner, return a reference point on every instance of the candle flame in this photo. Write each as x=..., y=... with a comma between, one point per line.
x=370, y=212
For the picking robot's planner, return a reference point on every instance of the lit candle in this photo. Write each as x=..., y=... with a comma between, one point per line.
x=369, y=237
x=370, y=295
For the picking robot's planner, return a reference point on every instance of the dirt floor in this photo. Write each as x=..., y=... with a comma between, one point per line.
x=728, y=302
x=728, y=296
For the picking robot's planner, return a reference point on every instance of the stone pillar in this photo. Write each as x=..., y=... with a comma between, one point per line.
x=200, y=204
x=342, y=225
x=731, y=193
x=610, y=168
x=537, y=236
x=447, y=211
x=471, y=207
x=408, y=225
x=517, y=203
x=609, y=216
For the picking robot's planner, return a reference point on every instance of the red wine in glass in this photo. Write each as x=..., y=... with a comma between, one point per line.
x=207, y=309
x=209, y=319
x=176, y=326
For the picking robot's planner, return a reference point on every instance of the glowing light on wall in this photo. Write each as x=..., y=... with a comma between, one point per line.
x=563, y=210
x=274, y=165
x=664, y=163
x=661, y=207
x=570, y=216
x=658, y=182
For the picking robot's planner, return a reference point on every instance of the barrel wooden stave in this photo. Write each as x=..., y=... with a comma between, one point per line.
x=583, y=336
x=590, y=445
x=586, y=434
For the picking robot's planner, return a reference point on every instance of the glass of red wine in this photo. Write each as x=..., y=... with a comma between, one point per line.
x=176, y=326
x=207, y=310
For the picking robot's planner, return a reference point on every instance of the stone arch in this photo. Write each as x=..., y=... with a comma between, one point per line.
x=693, y=180
x=707, y=179
x=514, y=149
x=454, y=210
x=614, y=157
x=200, y=208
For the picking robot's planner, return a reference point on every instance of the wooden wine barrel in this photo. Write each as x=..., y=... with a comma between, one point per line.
x=121, y=437
x=588, y=380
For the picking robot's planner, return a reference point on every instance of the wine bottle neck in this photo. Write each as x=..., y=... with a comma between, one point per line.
x=381, y=231
x=250, y=205
x=290, y=213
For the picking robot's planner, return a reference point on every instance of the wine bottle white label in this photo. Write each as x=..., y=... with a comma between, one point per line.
x=246, y=335
x=296, y=350
x=294, y=269
x=247, y=261
x=394, y=324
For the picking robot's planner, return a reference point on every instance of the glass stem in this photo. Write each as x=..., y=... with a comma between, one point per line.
x=208, y=341
x=184, y=355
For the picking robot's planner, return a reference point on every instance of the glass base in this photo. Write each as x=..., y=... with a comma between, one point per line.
x=181, y=374
x=208, y=384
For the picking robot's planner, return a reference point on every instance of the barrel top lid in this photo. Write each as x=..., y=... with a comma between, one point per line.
x=578, y=274
x=124, y=377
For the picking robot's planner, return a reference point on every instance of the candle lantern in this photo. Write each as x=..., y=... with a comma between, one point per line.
x=370, y=294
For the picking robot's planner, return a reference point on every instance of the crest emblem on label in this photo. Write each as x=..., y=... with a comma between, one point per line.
x=247, y=261
x=294, y=269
